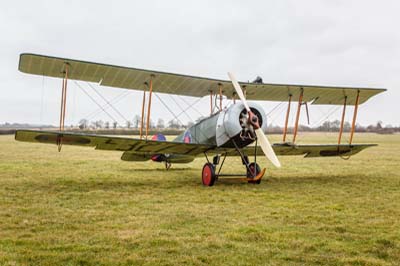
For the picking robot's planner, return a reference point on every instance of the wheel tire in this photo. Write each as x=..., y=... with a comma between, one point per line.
x=208, y=175
x=250, y=174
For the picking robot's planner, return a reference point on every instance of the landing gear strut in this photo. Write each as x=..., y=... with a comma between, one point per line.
x=210, y=173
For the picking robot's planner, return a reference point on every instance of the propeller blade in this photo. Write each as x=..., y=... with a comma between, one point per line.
x=262, y=139
x=267, y=148
x=239, y=91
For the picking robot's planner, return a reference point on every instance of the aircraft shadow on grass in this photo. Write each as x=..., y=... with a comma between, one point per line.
x=191, y=180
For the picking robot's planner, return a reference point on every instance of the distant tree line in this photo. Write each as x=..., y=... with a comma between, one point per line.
x=334, y=126
x=85, y=124
x=174, y=126
x=327, y=126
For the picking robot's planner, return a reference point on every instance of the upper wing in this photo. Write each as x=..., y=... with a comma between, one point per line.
x=137, y=146
x=134, y=78
x=310, y=150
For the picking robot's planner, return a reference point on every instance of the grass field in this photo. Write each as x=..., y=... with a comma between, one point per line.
x=86, y=207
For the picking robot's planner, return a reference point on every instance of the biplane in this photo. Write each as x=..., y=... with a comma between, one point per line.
x=237, y=129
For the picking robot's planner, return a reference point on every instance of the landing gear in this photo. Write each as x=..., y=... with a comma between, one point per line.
x=211, y=172
x=208, y=175
x=252, y=171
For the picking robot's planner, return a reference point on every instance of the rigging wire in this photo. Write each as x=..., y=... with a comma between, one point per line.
x=199, y=129
x=184, y=111
x=166, y=106
x=331, y=111
x=112, y=118
x=274, y=117
x=118, y=112
x=99, y=110
x=106, y=106
x=173, y=114
x=180, y=107
x=273, y=109
x=192, y=106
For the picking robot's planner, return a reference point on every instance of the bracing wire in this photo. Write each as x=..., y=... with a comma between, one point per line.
x=279, y=107
x=275, y=107
x=184, y=111
x=173, y=114
x=112, y=118
x=166, y=106
x=115, y=100
x=274, y=117
x=330, y=112
x=191, y=105
x=99, y=94
x=180, y=107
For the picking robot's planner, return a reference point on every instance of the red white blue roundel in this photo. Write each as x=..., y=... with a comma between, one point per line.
x=187, y=137
x=159, y=136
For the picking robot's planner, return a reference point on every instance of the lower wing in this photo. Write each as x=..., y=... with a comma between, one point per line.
x=142, y=150
x=311, y=150
x=134, y=149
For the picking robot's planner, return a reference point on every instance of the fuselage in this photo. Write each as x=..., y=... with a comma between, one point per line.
x=224, y=127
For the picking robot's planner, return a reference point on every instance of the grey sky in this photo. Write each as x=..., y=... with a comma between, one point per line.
x=352, y=43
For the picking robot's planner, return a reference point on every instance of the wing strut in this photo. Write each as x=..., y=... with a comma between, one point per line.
x=63, y=105
x=220, y=96
x=142, y=118
x=342, y=122
x=211, y=102
x=149, y=106
x=353, y=125
x=287, y=118
x=296, y=125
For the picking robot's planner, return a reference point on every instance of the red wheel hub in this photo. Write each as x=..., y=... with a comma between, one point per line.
x=208, y=175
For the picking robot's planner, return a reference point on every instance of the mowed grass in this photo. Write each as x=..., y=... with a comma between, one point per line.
x=86, y=207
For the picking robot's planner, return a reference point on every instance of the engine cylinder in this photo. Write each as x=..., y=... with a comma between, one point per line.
x=232, y=124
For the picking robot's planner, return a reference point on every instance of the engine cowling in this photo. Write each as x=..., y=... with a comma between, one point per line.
x=233, y=124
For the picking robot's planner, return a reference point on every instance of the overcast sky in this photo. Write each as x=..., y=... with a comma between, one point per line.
x=336, y=42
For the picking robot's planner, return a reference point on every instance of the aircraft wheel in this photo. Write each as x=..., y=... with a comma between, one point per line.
x=208, y=175
x=250, y=174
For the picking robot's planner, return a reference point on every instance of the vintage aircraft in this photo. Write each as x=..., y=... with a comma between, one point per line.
x=228, y=132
